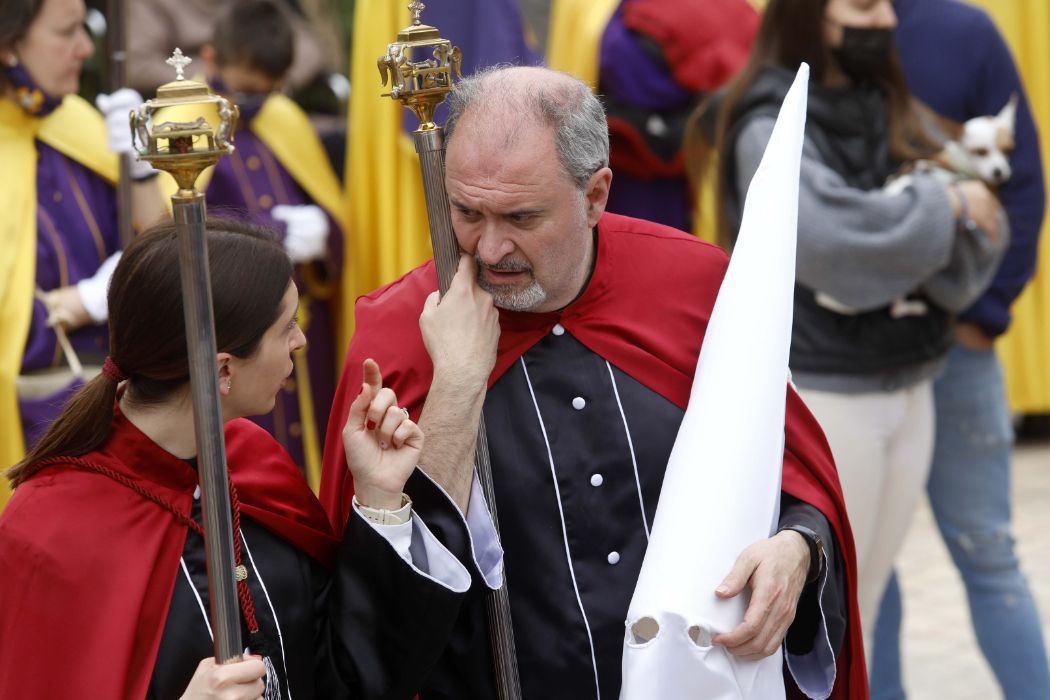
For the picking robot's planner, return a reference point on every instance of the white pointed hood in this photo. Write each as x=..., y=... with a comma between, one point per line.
x=721, y=491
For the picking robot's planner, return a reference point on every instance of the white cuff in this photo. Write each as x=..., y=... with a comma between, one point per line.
x=488, y=553
x=94, y=289
x=435, y=563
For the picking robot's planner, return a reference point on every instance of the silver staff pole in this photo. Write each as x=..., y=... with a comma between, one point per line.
x=419, y=67
x=183, y=131
x=116, y=78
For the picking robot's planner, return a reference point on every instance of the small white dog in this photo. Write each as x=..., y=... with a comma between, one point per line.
x=980, y=151
x=983, y=150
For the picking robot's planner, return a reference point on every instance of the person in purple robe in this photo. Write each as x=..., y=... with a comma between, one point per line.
x=657, y=59
x=58, y=151
x=278, y=177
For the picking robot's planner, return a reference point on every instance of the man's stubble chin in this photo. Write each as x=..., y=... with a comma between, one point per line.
x=513, y=299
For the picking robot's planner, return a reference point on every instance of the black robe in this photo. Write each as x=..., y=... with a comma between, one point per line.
x=360, y=630
x=578, y=449
x=594, y=394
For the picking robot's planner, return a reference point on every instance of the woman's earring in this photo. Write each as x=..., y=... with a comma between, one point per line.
x=11, y=61
x=229, y=384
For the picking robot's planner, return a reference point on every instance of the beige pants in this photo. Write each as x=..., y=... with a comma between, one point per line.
x=883, y=446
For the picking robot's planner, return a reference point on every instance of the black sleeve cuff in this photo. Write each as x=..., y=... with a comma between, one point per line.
x=824, y=597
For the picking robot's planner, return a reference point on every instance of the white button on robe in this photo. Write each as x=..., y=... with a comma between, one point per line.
x=597, y=480
x=558, y=329
x=613, y=558
x=578, y=403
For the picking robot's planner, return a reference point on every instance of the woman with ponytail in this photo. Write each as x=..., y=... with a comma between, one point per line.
x=104, y=591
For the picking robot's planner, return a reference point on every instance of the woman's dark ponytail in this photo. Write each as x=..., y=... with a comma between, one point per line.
x=83, y=425
x=250, y=273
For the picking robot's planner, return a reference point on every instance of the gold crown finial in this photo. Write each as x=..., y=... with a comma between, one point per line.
x=416, y=8
x=185, y=128
x=179, y=62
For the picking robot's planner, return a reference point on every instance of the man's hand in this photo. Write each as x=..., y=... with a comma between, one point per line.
x=775, y=569
x=461, y=329
x=460, y=333
x=970, y=336
x=65, y=308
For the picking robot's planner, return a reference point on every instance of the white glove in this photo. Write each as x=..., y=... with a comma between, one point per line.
x=94, y=289
x=307, y=236
x=116, y=108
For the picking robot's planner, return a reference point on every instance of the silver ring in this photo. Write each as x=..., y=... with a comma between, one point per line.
x=405, y=411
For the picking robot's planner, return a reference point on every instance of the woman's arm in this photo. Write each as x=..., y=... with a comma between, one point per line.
x=386, y=614
x=863, y=248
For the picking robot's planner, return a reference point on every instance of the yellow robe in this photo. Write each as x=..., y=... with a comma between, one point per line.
x=77, y=131
x=387, y=230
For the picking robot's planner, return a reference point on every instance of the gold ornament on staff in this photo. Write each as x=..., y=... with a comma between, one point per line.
x=419, y=68
x=420, y=85
x=182, y=131
x=186, y=128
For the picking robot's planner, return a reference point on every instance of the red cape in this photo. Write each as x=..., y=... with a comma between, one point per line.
x=89, y=565
x=645, y=310
x=705, y=42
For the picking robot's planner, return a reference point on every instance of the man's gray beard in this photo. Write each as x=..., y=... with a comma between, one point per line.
x=514, y=299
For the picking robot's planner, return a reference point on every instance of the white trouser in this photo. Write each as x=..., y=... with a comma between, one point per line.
x=883, y=446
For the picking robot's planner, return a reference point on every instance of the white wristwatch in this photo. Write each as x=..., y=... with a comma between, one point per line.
x=382, y=516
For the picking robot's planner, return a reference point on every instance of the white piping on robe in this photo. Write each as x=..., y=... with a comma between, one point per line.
x=200, y=603
x=276, y=622
x=630, y=444
x=564, y=533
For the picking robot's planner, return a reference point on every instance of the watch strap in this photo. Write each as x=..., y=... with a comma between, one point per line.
x=816, y=549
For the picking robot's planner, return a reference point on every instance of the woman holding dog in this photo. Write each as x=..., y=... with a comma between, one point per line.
x=879, y=274
x=105, y=585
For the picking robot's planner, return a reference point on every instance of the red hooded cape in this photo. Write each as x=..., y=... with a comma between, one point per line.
x=705, y=42
x=89, y=565
x=645, y=310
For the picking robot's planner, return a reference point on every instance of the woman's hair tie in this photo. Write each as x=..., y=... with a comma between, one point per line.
x=110, y=369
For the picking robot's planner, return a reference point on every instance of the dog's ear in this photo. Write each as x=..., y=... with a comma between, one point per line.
x=1007, y=116
x=1004, y=125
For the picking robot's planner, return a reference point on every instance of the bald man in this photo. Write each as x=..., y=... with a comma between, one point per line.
x=600, y=324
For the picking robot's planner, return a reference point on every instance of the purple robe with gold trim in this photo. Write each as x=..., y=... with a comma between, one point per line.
x=76, y=232
x=248, y=184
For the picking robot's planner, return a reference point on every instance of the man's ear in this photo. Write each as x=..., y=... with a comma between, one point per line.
x=597, y=194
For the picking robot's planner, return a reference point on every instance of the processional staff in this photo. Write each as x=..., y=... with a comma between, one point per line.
x=116, y=78
x=419, y=67
x=182, y=131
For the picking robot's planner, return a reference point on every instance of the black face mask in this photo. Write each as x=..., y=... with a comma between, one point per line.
x=249, y=103
x=864, y=52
